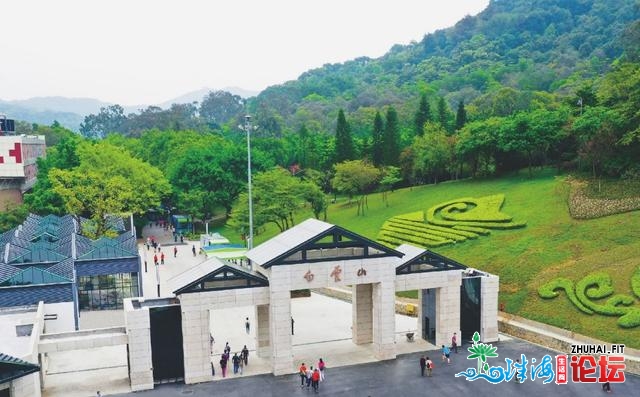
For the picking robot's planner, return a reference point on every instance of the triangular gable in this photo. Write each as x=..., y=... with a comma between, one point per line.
x=223, y=278
x=33, y=276
x=428, y=261
x=106, y=252
x=7, y=271
x=13, y=368
x=335, y=243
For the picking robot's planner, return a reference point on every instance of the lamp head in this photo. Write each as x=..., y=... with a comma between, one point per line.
x=247, y=118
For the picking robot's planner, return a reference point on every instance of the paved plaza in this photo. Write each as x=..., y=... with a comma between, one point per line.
x=398, y=378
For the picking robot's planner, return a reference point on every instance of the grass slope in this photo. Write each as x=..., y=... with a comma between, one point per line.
x=551, y=245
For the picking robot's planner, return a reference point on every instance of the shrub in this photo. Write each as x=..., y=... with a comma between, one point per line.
x=631, y=319
x=548, y=291
x=635, y=282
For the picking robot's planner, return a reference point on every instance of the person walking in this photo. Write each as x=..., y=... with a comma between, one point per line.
x=309, y=376
x=423, y=365
x=155, y=259
x=315, y=379
x=245, y=355
x=193, y=249
x=236, y=362
x=446, y=353
x=241, y=365
x=162, y=258
x=429, y=366
x=321, y=366
x=175, y=251
x=454, y=342
x=247, y=326
x=302, y=371
x=223, y=366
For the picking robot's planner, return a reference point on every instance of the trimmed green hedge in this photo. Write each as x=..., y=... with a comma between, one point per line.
x=635, y=282
x=466, y=218
x=548, y=291
x=596, y=286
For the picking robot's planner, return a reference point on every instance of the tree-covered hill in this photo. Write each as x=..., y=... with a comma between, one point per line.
x=525, y=45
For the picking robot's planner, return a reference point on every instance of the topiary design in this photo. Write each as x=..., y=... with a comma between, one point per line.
x=598, y=286
x=450, y=222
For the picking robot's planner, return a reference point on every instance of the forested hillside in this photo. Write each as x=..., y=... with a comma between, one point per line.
x=513, y=48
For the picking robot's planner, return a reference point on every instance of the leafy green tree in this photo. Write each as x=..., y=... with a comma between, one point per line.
x=477, y=144
x=390, y=178
x=422, y=115
x=344, y=148
x=377, y=144
x=12, y=216
x=109, y=119
x=42, y=199
x=432, y=154
x=356, y=177
x=391, y=138
x=461, y=115
x=108, y=181
x=220, y=107
x=277, y=196
x=597, y=132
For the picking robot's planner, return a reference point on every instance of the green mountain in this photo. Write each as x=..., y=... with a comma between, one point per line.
x=525, y=45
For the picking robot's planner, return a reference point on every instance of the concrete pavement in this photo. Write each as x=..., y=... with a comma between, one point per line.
x=398, y=378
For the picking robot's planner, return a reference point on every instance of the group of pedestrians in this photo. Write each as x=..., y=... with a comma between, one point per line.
x=239, y=360
x=427, y=365
x=312, y=377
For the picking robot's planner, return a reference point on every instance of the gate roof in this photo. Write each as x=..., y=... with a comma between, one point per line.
x=317, y=241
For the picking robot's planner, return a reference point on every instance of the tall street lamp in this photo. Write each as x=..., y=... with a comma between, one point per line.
x=247, y=128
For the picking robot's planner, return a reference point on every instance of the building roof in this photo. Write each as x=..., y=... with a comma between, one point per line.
x=418, y=260
x=193, y=274
x=42, y=248
x=283, y=242
x=13, y=368
x=317, y=241
x=224, y=276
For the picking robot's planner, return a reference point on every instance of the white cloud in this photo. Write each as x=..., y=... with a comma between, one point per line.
x=144, y=51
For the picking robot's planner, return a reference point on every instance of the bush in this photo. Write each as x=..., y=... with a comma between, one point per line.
x=548, y=291
x=635, y=282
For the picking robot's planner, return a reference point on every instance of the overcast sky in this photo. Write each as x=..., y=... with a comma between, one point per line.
x=148, y=51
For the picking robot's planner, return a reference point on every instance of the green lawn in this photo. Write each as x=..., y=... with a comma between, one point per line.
x=551, y=245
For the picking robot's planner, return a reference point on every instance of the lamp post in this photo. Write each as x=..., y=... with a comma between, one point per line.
x=247, y=128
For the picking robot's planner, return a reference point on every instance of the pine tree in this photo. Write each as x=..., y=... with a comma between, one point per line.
x=461, y=116
x=391, y=139
x=377, y=148
x=422, y=115
x=344, y=143
x=443, y=113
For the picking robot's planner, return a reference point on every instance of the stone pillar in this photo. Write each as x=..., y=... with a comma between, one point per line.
x=138, y=326
x=263, y=345
x=280, y=326
x=419, y=312
x=195, y=344
x=448, y=311
x=362, y=314
x=489, y=287
x=384, y=322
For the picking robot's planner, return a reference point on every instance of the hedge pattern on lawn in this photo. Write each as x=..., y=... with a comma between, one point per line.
x=597, y=286
x=450, y=222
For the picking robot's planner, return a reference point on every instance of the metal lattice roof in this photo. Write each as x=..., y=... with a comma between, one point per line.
x=13, y=368
x=34, y=276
